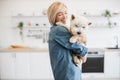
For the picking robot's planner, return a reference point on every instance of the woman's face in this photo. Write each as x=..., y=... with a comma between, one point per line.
x=62, y=15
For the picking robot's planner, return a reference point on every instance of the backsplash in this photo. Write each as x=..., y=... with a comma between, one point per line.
x=36, y=25
x=103, y=37
x=35, y=29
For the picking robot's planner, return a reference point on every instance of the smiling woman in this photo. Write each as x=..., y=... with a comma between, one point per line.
x=61, y=16
x=60, y=49
x=58, y=12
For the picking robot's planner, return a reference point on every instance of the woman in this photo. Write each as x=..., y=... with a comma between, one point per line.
x=60, y=48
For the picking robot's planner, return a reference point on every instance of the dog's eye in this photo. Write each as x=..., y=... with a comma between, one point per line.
x=83, y=27
x=76, y=25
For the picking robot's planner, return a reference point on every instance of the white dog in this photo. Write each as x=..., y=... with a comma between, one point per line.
x=78, y=28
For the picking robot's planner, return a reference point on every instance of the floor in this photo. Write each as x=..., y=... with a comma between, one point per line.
x=103, y=79
x=52, y=79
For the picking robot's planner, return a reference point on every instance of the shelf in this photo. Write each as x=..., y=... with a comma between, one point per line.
x=28, y=16
x=113, y=15
x=34, y=27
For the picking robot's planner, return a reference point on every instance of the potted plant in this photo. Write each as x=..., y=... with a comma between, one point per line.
x=20, y=26
x=108, y=15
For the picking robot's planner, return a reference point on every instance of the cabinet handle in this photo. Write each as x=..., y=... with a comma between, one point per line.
x=13, y=55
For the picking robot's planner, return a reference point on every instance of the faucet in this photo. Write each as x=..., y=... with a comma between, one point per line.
x=116, y=38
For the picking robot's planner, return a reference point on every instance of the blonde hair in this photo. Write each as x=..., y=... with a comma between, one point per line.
x=53, y=10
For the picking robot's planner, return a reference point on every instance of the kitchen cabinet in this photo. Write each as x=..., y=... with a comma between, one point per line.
x=7, y=65
x=14, y=65
x=22, y=65
x=40, y=66
x=25, y=65
x=112, y=64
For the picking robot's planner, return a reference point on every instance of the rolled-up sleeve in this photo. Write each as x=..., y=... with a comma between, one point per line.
x=62, y=37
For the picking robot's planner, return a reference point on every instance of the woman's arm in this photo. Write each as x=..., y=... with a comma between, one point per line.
x=62, y=37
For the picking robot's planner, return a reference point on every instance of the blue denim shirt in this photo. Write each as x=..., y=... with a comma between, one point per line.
x=60, y=51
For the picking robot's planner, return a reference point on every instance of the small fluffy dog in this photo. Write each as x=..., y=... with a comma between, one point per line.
x=78, y=28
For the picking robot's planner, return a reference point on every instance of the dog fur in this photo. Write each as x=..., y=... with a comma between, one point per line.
x=78, y=28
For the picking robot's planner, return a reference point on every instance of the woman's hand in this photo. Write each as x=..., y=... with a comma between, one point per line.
x=82, y=40
x=83, y=59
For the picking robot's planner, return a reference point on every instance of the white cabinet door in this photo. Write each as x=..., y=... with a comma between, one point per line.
x=7, y=65
x=22, y=65
x=25, y=65
x=40, y=66
x=112, y=64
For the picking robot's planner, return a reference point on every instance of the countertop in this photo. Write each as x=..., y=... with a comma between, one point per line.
x=24, y=50
x=46, y=49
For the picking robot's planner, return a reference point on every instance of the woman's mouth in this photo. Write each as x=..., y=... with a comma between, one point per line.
x=63, y=21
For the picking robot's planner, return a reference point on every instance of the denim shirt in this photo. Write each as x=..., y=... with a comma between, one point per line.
x=60, y=51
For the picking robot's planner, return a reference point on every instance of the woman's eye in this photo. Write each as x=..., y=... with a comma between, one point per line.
x=59, y=15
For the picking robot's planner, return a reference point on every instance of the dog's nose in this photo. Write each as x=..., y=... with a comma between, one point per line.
x=79, y=33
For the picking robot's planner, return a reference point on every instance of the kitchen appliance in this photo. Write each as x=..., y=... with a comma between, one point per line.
x=94, y=63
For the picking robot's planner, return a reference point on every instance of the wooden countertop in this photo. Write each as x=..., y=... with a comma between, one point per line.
x=24, y=50
x=46, y=49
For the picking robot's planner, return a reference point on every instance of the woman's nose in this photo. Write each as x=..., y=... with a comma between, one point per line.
x=64, y=16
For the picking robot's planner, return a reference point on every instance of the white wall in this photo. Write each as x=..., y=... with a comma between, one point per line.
x=97, y=37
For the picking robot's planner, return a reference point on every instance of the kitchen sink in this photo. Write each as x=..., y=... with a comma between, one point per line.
x=112, y=48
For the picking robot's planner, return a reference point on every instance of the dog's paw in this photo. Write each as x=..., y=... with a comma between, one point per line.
x=72, y=40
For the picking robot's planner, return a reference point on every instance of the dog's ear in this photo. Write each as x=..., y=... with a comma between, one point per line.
x=89, y=23
x=72, y=17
